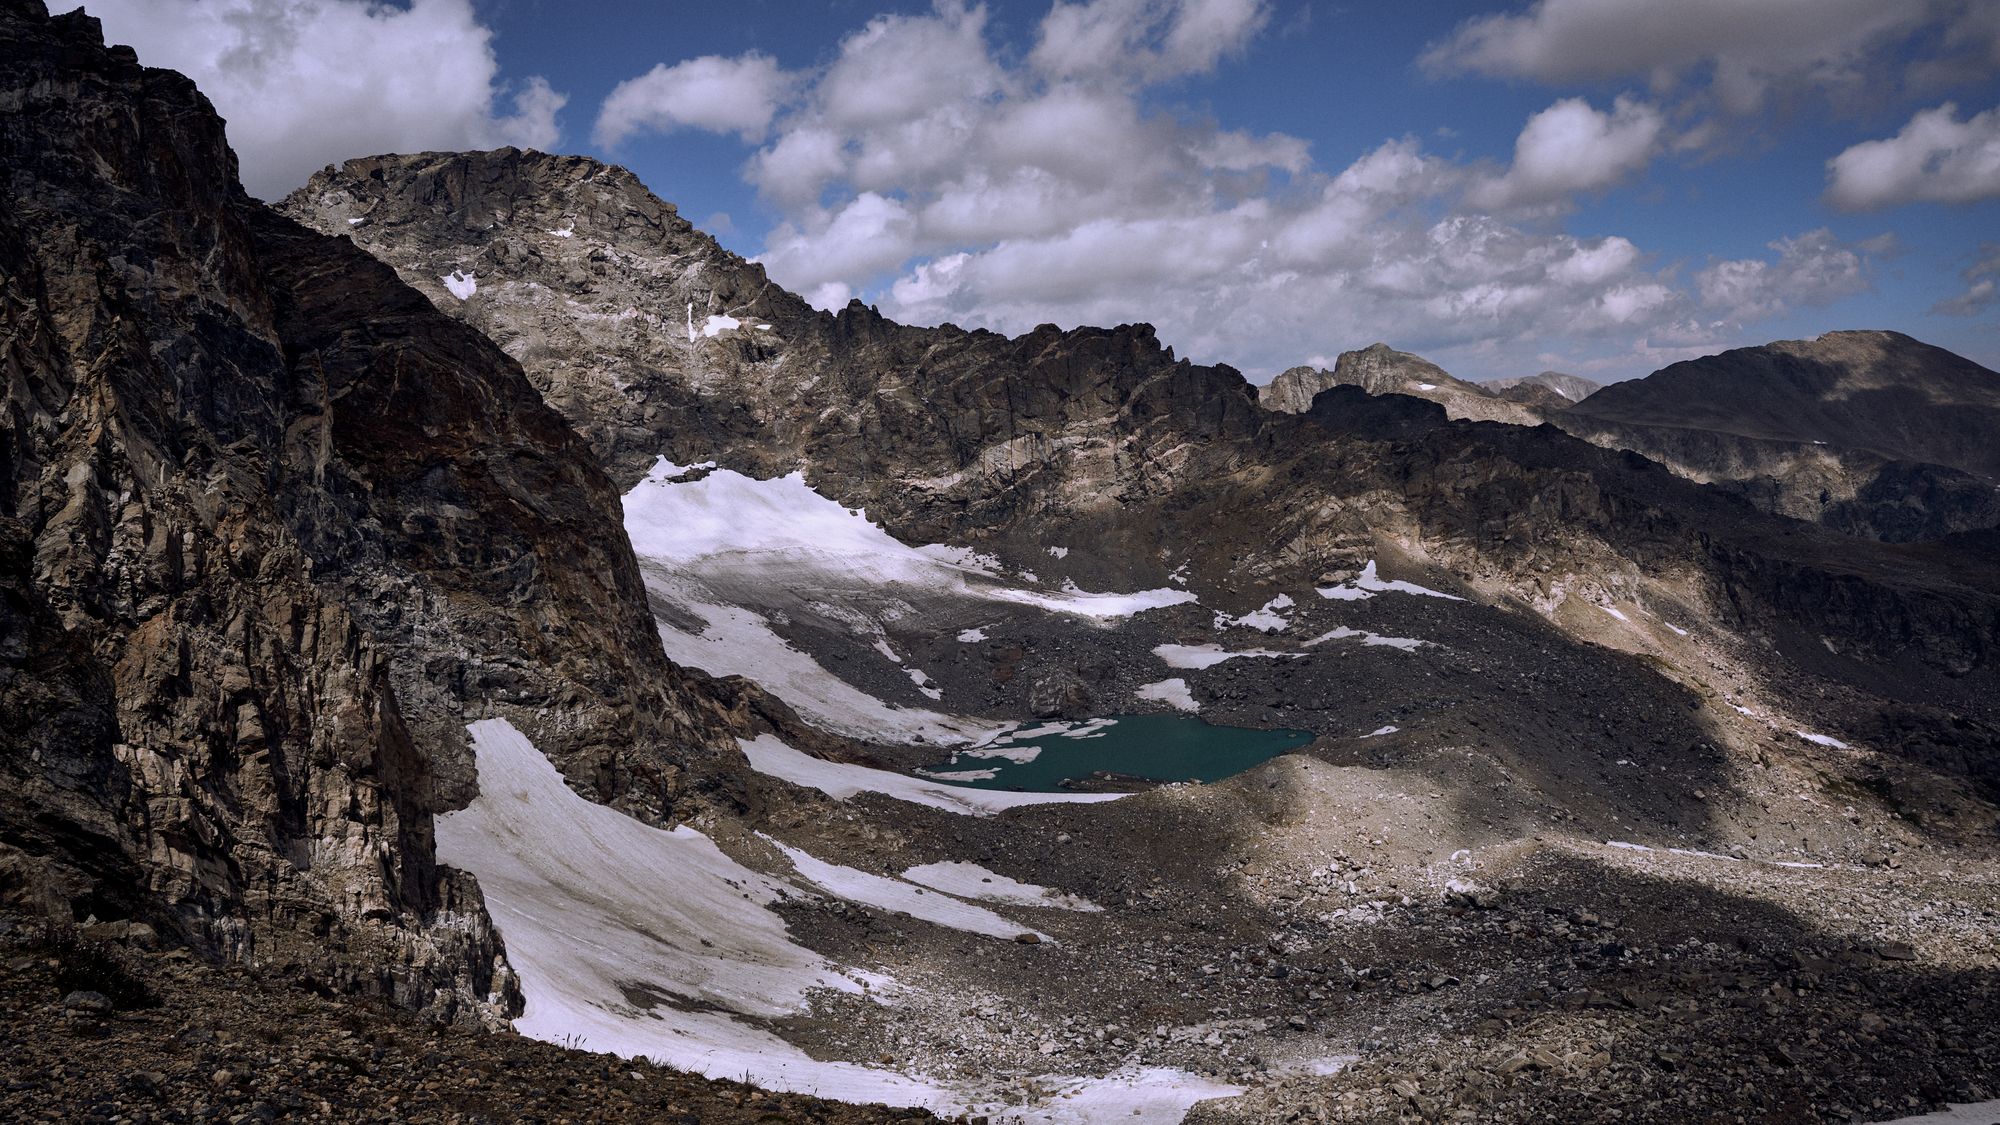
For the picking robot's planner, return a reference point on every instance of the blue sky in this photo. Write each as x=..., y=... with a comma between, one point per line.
x=1601, y=186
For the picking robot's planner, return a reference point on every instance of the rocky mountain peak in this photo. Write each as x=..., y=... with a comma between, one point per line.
x=1549, y=389
x=1382, y=370
x=1883, y=393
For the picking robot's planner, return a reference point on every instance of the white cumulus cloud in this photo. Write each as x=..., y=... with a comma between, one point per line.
x=945, y=178
x=1144, y=39
x=305, y=83
x=1572, y=147
x=1812, y=269
x=1982, y=285
x=1935, y=158
x=1743, y=49
x=721, y=95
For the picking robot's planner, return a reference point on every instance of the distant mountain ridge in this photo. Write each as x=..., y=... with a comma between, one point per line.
x=1880, y=392
x=1381, y=370
x=1872, y=433
x=1550, y=388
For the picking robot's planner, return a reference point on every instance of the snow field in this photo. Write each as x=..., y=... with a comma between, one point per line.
x=1369, y=584
x=969, y=880
x=608, y=921
x=1173, y=692
x=902, y=897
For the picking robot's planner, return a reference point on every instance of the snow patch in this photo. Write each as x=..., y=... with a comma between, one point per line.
x=768, y=754
x=1380, y=731
x=708, y=545
x=1977, y=1113
x=356, y=222
x=1370, y=583
x=895, y=895
x=567, y=230
x=1615, y=612
x=1268, y=619
x=1822, y=739
x=460, y=285
x=716, y=325
x=726, y=515
x=591, y=902
x=1173, y=692
x=1427, y=386
x=1059, y=552
x=640, y=941
x=738, y=642
x=1151, y=1095
x=1342, y=632
x=1196, y=657
x=969, y=880
x=972, y=636
x=1677, y=629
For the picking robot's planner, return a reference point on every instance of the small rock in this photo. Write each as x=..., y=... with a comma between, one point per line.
x=87, y=1003
x=1029, y=938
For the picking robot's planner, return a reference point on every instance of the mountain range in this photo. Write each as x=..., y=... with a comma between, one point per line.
x=465, y=592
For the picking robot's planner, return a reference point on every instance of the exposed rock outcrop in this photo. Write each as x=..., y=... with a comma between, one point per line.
x=273, y=529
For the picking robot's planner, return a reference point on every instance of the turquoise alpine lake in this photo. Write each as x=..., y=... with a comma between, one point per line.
x=1039, y=757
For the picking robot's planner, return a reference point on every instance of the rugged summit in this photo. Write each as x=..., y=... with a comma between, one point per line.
x=1382, y=370
x=1876, y=392
x=1549, y=389
x=273, y=529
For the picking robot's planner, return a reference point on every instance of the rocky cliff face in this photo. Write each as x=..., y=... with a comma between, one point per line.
x=1382, y=370
x=273, y=529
